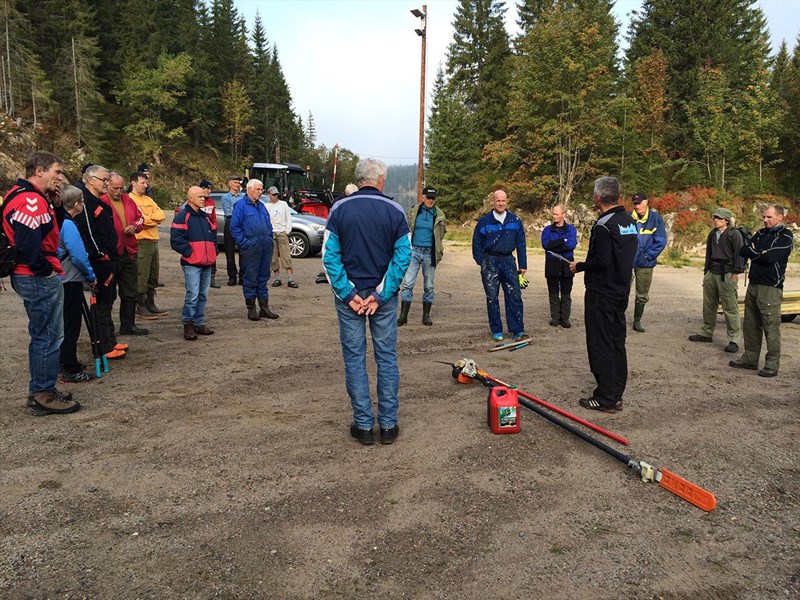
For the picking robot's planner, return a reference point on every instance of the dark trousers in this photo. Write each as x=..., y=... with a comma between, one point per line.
x=73, y=313
x=559, y=286
x=127, y=284
x=605, y=343
x=106, y=293
x=230, y=249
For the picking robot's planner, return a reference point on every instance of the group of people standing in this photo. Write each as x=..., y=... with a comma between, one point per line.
x=66, y=237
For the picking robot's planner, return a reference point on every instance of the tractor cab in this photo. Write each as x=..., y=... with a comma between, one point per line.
x=294, y=187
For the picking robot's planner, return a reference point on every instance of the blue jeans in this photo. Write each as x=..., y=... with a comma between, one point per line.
x=497, y=271
x=419, y=257
x=197, y=281
x=353, y=336
x=44, y=302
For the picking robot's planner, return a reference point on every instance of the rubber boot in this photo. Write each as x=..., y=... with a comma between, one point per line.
x=263, y=304
x=426, y=314
x=214, y=283
x=151, y=304
x=252, y=313
x=566, y=309
x=555, y=310
x=127, y=319
x=638, y=311
x=404, y=308
x=141, y=309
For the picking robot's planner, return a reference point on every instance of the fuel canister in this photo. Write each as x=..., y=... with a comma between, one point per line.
x=502, y=410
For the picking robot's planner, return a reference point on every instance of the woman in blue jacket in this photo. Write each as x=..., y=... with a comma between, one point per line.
x=559, y=240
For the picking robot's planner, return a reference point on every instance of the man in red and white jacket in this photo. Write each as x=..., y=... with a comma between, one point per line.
x=194, y=236
x=128, y=221
x=30, y=223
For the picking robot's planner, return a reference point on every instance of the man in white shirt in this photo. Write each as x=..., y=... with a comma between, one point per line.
x=281, y=217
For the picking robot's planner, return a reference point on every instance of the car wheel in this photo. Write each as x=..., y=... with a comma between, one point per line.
x=787, y=318
x=298, y=245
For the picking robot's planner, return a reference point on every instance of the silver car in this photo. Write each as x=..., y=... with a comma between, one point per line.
x=304, y=240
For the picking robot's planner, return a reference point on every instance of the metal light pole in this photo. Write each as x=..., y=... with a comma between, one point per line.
x=423, y=14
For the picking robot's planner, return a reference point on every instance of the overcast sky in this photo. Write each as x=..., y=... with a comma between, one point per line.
x=355, y=65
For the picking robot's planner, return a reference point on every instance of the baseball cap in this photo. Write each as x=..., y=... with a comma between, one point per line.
x=205, y=184
x=723, y=213
x=429, y=192
x=272, y=190
x=234, y=178
x=638, y=197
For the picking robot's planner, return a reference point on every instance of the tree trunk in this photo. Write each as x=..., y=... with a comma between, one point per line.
x=77, y=97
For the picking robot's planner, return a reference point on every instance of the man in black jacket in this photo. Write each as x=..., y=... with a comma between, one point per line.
x=96, y=224
x=608, y=268
x=768, y=251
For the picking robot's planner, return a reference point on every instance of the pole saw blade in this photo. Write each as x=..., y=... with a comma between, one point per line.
x=687, y=490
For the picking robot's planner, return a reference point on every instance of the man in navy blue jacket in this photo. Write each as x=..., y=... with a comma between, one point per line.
x=497, y=235
x=366, y=254
x=252, y=230
x=652, y=241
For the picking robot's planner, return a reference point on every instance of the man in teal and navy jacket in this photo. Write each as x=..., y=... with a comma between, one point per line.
x=652, y=241
x=365, y=255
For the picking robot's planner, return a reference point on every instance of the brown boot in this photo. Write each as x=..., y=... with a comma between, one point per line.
x=142, y=310
x=189, y=331
x=53, y=403
x=203, y=330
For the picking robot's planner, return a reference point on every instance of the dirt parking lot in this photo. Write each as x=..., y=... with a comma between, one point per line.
x=224, y=468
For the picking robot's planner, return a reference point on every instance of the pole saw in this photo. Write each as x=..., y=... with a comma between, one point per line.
x=466, y=368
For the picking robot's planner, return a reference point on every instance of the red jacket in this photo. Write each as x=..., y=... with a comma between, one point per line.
x=133, y=216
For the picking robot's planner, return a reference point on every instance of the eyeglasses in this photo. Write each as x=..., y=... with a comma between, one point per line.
x=718, y=217
x=104, y=180
x=205, y=197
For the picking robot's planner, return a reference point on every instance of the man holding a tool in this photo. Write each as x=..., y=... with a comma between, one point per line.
x=494, y=240
x=608, y=268
x=366, y=252
x=559, y=240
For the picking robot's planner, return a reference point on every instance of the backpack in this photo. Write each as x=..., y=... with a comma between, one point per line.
x=8, y=253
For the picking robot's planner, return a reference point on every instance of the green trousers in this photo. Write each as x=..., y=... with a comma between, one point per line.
x=148, y=265
x=644, y=277
x=762, y=319
x=719, y=289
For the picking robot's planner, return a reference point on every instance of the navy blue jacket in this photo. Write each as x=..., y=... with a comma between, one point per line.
x=499, y=239
x=193, y=235
x=562, y=241
x=652, y=238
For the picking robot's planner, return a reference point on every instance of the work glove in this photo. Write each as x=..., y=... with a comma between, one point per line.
x=523, y=283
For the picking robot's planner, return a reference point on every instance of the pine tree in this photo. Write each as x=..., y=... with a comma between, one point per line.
x=530, y=11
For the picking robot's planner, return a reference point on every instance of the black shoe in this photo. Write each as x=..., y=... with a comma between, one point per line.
x=737, y=364
x=276, y=283
x=365, y=436
x=321, y=278
x=732, y=347
x=595, y=404
x=699, y=338
x=231, y=281
x=293, y=284
x=133, y=330
x=765, y=372
x=566, y=324
x=388, y=436
x=554, y=323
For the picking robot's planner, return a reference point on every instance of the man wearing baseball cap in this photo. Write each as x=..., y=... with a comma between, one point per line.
x=427, y=225
x=652, y=241
x=228, y=200
x=720, y=282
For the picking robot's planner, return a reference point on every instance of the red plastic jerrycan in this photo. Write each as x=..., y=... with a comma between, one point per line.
x=503, y=410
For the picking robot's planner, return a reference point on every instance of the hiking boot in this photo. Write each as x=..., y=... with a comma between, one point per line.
x=203, y=330
x=263, y=304
x=276, y=283
x=365, y=436
x=189, y=332
x=404, y=308
x=388, y=436
x=767, y=372
x=737, y=364
x=732, y=347
x=52, y=402
x=702, y=338
x=79, y=377
x=115, y=354
x=292, y=284
x=231, y=281
x=214, y=283
x=123, y=347
x=252, y=313
x=66, y=397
